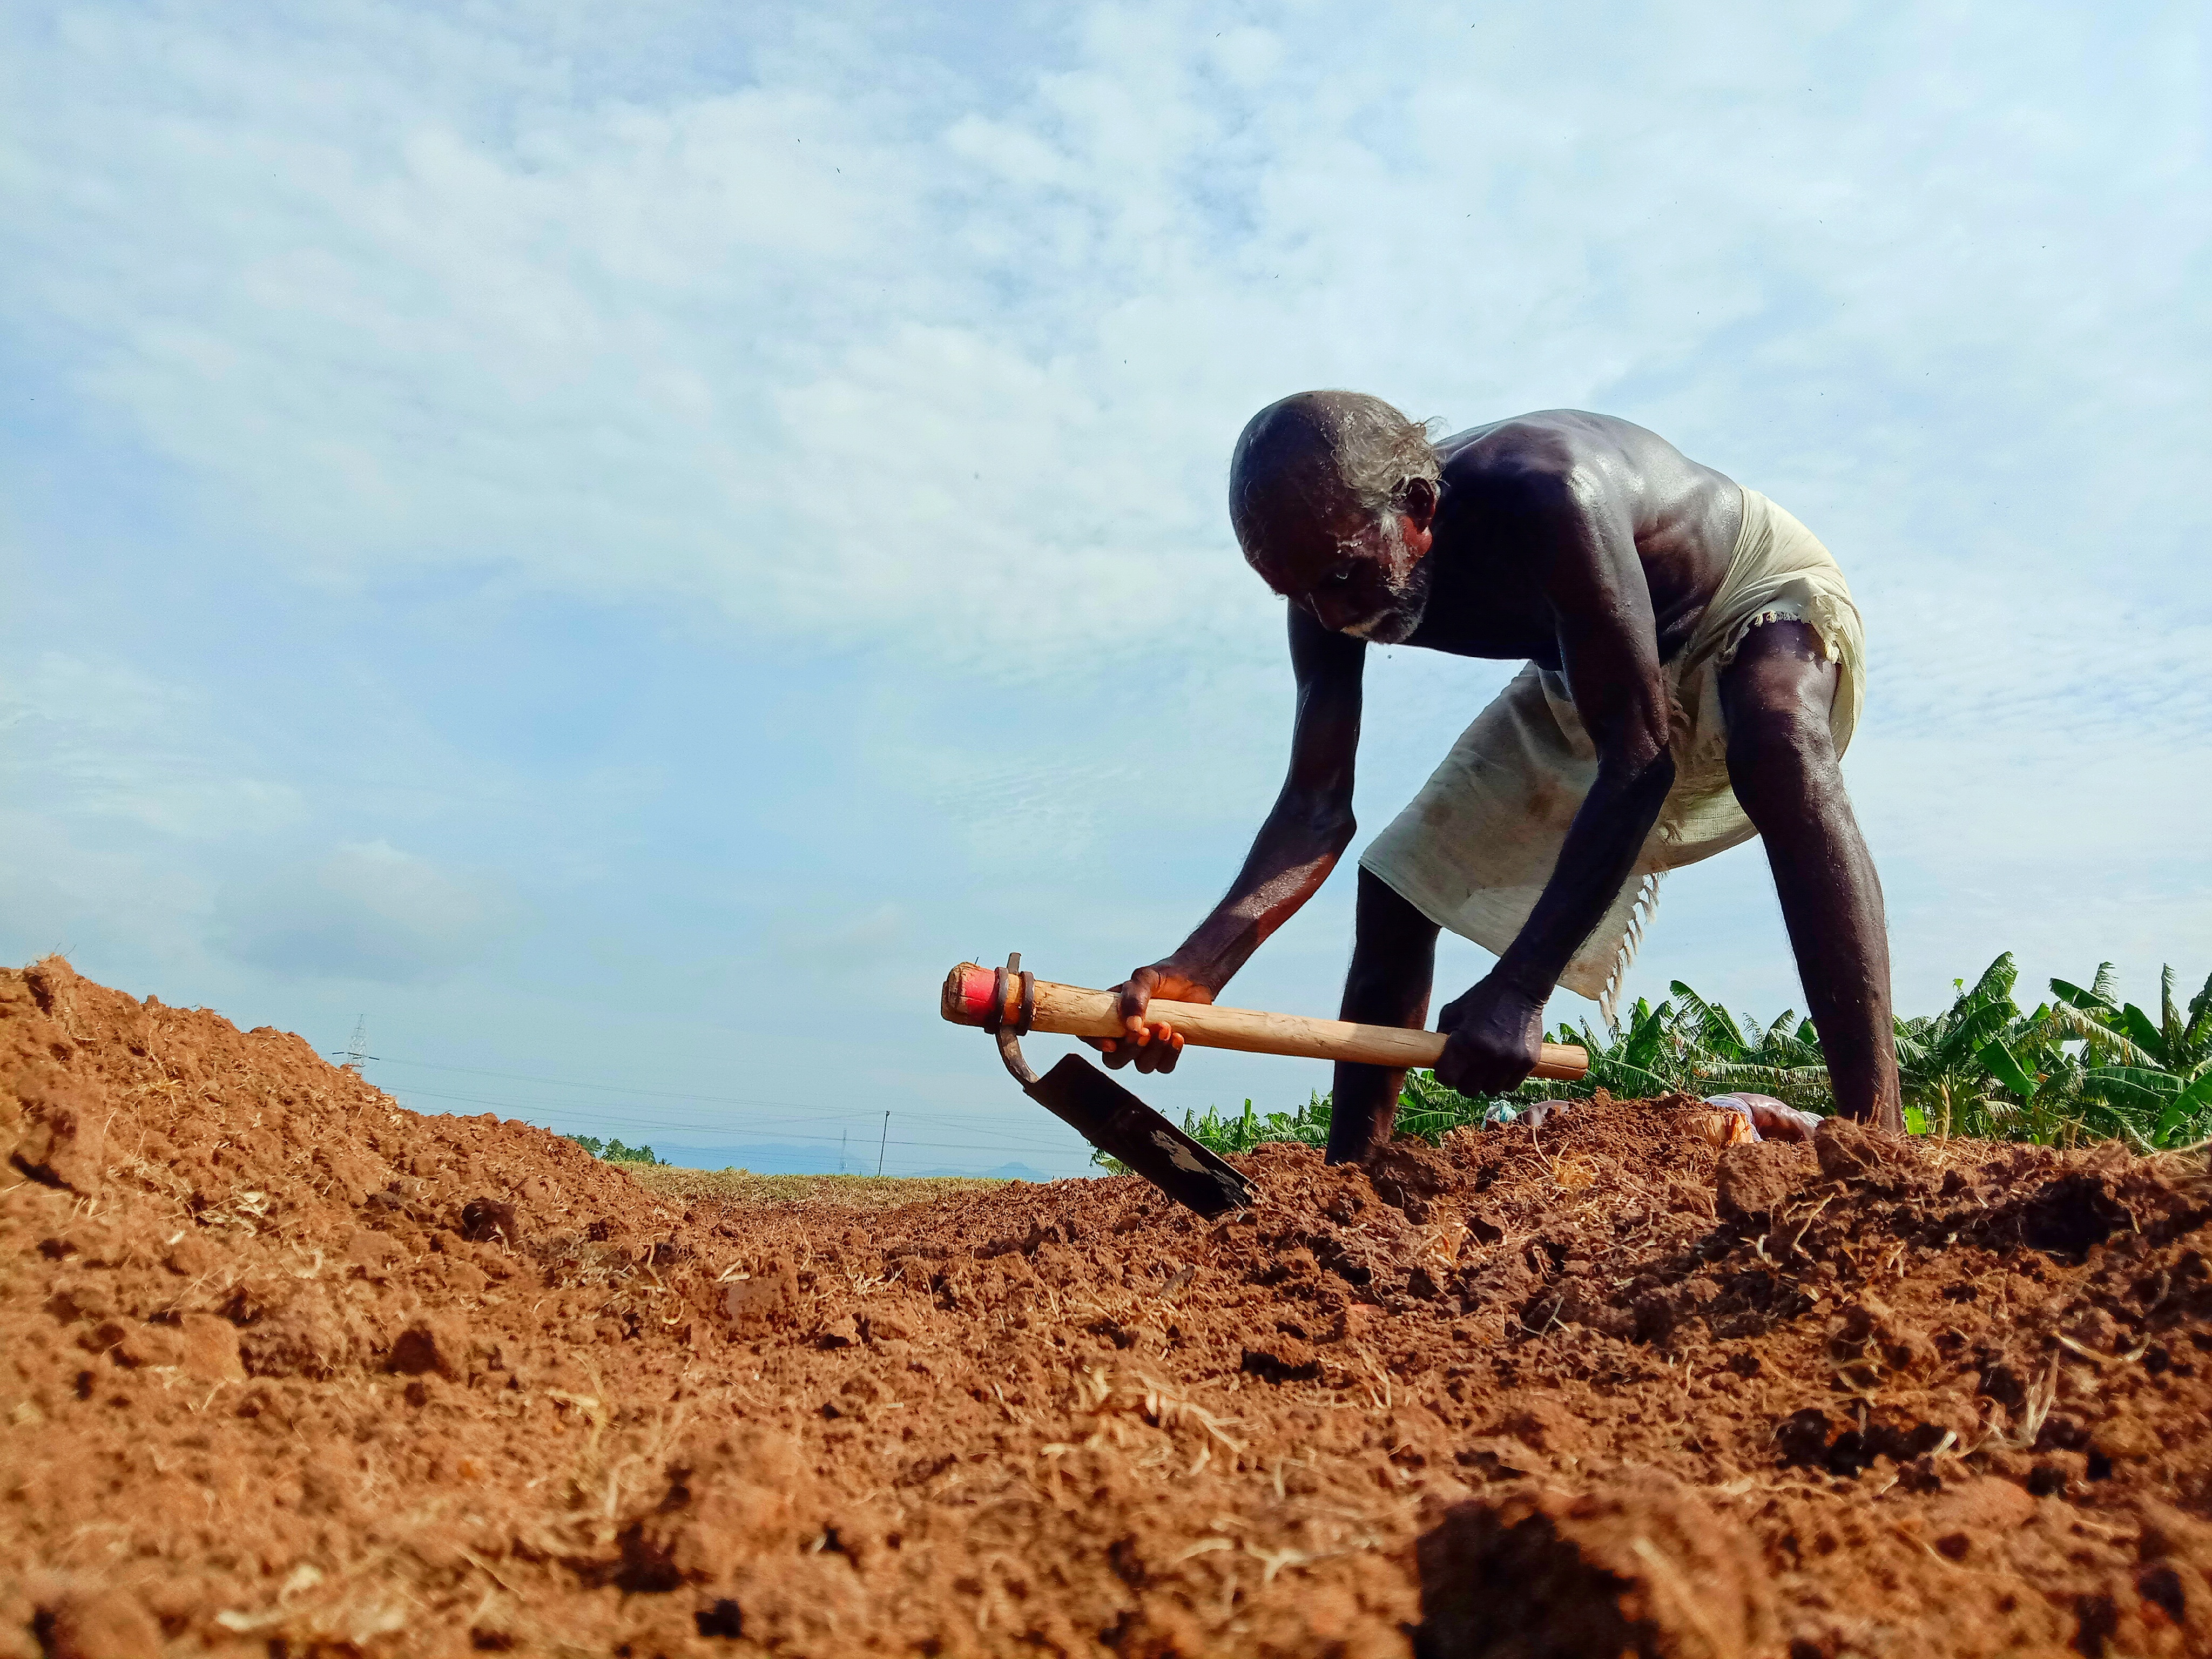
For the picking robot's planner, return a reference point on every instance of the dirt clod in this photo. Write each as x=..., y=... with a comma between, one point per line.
x=1633, y=1564
x=431, y=1345
x=1754, y=1178
x=92, y=1623
x=486, y=1220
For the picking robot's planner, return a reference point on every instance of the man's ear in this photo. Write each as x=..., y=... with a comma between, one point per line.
x=1419, y=502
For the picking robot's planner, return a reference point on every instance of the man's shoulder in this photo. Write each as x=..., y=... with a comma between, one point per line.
x=1549, y=444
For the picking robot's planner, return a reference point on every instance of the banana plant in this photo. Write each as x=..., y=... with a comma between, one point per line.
x=1955, y=1068
x=1647, y=1058
x=1783, y=1059
x=2155, y=1074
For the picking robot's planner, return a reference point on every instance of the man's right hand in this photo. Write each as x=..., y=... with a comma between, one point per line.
x=1155, y=1045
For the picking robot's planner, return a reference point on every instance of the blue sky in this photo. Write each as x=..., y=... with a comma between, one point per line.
x=616, y=545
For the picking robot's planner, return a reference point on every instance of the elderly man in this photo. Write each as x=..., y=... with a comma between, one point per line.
x=1695, y=667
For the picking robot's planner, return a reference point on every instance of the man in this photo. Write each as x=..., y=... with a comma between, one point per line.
x=1695, y=670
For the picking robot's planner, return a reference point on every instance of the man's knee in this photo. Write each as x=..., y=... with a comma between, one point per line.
x=1393, y=957
x=1777, y=697
x=1384, y=918
x=1784, y=767
x=1787, y=742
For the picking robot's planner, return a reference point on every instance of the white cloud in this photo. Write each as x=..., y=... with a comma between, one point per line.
x=101, y=742
x=367, y=912
x=890, y=366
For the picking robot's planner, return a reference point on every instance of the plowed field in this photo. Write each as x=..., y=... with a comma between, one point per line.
x=286, y=1369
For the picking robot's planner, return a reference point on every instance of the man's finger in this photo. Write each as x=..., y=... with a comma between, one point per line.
x=1136, y=994
x=1160, y=1050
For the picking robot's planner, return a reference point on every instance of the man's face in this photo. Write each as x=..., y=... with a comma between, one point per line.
x=1358, y=575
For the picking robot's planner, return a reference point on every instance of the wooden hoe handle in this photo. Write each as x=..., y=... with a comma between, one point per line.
x=1072, y=1010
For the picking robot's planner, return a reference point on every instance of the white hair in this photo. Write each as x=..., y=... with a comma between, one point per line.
x=1318, y=448
x=1380, y=452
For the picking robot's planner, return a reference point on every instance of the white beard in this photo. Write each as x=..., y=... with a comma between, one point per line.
x=1408, y=584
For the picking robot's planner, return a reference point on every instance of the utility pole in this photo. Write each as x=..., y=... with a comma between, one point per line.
x=842, y=1136
x=885, y=1142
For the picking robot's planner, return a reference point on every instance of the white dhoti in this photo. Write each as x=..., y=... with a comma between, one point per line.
x=1474, y=848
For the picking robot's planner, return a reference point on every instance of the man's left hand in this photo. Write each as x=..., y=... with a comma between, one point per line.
x=1495, y=1033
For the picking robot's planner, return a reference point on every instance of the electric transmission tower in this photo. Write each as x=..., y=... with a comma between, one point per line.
x=357, y=1050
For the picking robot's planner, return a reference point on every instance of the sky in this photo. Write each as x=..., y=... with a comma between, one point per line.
x=610, y=546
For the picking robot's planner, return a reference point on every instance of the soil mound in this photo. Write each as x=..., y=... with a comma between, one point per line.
x=285, y=1369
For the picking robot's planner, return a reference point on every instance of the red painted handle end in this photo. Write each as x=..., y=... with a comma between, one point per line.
x=967, y=999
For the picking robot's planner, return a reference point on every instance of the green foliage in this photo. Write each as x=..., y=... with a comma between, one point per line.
x=1241, y=1133
x=1954, y=1066
x=2152, y=1081
x=2082, y=1067
x=614, y=1151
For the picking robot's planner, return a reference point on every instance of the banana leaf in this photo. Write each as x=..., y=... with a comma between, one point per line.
x=1714, y=1029
x=2147, y=1036
x=2134, y=1086
x=2067, y=1021
x=2200, y=1015
x=1646, y=1036
x=1963, y=1041
x=2007, y=1069
x=2184, y=1108
x=2094, y=1002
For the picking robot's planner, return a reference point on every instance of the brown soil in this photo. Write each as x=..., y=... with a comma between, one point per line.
x=286, y=1369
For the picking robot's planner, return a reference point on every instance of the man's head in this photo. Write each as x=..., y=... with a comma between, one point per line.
x=1332, y=494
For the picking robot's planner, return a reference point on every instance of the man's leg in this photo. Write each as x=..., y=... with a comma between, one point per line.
x=1393, y=958
x=1782, y=762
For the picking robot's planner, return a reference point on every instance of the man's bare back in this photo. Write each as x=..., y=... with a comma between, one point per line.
x=1684, y=517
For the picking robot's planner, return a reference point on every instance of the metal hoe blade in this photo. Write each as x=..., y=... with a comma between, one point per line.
x=1122, y=1126
x=1119, y=1124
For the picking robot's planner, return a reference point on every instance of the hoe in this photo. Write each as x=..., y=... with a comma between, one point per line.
x=1010, y=1003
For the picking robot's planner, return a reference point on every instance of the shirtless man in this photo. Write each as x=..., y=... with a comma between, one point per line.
x=1695, y=668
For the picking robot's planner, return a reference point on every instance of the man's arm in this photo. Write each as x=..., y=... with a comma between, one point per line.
x=1609, y=651
x=1303, y=835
